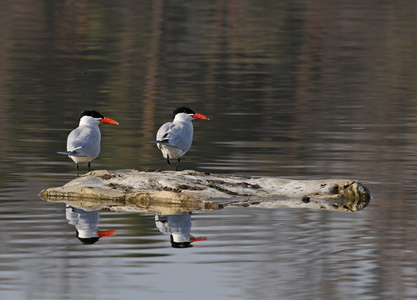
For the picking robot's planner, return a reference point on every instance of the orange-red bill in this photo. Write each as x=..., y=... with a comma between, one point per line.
x=198, y=239
x=105, y=233
x=200, y=116
x=108, y=121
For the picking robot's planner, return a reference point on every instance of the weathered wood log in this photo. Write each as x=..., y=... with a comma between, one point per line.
x=172, y=192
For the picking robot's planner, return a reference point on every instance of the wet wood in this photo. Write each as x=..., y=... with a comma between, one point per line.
x=170, y=191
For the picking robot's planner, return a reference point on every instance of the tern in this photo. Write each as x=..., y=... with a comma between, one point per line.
x=174, y=138
x=83, y=143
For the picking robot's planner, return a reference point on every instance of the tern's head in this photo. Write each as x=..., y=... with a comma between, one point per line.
x=187, y=114
x=93, y=117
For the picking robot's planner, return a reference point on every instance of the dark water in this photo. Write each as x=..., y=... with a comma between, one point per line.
x=296, y=89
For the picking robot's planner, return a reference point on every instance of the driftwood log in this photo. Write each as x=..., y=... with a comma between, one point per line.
x=170, y=192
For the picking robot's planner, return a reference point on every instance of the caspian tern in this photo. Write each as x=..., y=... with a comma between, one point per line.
x=174, y=138
x=83, y=143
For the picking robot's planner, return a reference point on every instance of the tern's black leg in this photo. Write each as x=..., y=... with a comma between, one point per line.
x=78, y=169
x=89, y=166
x=178, y=163
x=168, y=160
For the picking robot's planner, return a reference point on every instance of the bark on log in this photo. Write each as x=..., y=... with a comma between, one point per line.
x=172, y=192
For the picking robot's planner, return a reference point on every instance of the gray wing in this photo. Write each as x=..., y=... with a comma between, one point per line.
x=84, y=141
x=162, y=136
x=175, y=135
x=163, y=132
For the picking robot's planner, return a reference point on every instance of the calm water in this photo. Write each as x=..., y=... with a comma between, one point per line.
x=296, y=89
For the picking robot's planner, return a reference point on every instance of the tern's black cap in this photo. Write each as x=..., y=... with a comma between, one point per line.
x=182, y=109
x=91, y=113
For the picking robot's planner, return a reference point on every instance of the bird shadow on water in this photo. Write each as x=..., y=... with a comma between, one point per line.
x=176, y=226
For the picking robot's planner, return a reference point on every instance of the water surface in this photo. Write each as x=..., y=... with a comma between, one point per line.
x=295, y=89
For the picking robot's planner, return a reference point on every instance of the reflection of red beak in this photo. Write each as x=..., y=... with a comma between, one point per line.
x=198, y=239
x=106, y=233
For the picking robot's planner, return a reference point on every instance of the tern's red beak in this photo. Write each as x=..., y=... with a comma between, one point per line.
x=106, y=233
x=108, y=121
x=200, y=116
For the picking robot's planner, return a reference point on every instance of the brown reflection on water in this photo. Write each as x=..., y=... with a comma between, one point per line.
x=151, y=85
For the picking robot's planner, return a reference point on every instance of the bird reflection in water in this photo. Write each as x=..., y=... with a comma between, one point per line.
x=179, y=229
x=86, y=225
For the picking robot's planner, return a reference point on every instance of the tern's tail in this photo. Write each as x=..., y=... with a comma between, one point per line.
x=72, y=153
x=163, y=142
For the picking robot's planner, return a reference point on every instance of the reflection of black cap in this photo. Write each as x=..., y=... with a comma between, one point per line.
x=88, y=241
x=94, y=239
x=180, y=244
